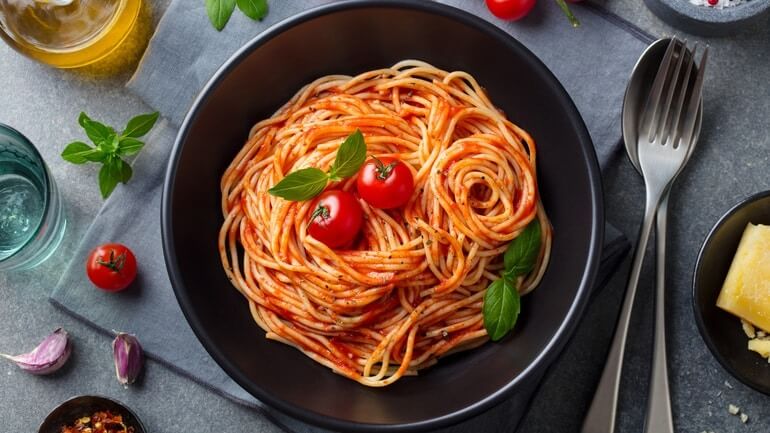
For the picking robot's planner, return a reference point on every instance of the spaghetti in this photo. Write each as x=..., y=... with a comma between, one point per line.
x=411, y=288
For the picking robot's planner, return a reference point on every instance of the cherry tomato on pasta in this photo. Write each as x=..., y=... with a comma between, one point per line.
x=385, y=183
x=111, y=267
x=336, y=219
x=510, y=9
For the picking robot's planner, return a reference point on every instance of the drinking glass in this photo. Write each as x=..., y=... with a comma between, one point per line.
x=32, y=220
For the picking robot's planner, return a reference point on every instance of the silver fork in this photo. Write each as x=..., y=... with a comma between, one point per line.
x=666, y=132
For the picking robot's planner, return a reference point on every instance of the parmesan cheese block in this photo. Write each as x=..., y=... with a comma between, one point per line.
x=746, y=290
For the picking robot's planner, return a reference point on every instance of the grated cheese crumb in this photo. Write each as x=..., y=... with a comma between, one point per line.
x=748, y=329
x=744, y=418
x=733, y=409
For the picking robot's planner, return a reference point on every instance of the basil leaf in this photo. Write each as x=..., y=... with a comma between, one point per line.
x=350, y=156
x=521, y=254
x=502, y=306
x=301, y=184
x=129, y=146
x=124, y=170
x=254, y=9
x=140, y=125
x=219, y=12
x=79, y=153
x=98, y=132
x=109, y=176
x=110, y=146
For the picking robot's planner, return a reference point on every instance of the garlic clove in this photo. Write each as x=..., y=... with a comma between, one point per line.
x=49, y=356
x=128, y=356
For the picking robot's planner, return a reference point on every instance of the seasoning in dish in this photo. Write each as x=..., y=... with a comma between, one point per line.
x=99, y=422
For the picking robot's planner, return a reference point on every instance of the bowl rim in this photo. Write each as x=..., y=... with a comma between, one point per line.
x=122, y=405
x=571, y=319
x=705, y=335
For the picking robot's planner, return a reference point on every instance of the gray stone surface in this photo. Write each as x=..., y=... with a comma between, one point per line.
x=731, y=162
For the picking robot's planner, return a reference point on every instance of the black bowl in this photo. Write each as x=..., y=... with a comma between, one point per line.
x=84, y=405
x=352, y=37
x=721, y=330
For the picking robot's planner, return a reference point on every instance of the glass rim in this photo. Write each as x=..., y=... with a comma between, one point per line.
x=46, y=193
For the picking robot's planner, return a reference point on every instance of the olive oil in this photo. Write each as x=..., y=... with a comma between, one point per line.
x=68, y=33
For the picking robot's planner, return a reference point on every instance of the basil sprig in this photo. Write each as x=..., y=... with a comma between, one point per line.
x=220, y=11
x=307, y=183
x=502, y=304
x=109, y=148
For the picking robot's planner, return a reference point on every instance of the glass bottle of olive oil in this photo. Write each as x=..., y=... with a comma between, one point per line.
x=67, y=33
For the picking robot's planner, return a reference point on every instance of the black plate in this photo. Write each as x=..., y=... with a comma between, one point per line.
x=721, y=330
x=352, y=37
x=84, y=405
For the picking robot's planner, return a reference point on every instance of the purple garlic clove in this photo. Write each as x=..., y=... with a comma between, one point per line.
x=128, y=357
x=47, y=357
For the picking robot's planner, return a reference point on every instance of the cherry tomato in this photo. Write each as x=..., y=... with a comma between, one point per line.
x=336, y=219
x=111, y=267
x=385, y=183
x=510, y=9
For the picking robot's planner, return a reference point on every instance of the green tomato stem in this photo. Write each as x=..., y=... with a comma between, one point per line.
x=570, y=16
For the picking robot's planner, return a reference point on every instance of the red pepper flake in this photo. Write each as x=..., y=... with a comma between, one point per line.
x=99, y=422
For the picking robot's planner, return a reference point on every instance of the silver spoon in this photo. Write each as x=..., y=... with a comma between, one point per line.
x=659, y=168
x=658, y=418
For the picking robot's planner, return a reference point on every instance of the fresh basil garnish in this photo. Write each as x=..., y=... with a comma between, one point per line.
x=521, y=254
x=96, y=131
x=350, y=156
x=501, y=308
x=501, y=302
x=301, y=185
x=307, y=183
x=129, y=146
x=140, y=125
x=109, y=148
x=79, y=153
x=220, y=11
x=254, y=9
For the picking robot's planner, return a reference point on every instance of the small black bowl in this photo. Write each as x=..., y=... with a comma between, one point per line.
x=721, y=330
x=85, y=405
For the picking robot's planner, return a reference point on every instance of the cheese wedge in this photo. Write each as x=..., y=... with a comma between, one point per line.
x=746, y=290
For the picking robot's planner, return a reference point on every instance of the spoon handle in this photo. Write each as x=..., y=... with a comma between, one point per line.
x=601, y=414
x=658, y=418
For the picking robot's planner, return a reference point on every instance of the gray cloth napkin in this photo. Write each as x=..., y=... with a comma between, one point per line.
x=185, y=51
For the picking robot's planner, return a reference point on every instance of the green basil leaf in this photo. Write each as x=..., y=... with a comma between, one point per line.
x=521, y=254
x=109, y=176
x=98, y=132
x=110, y=146
x=501, y=309
x=301, y=184
x=219, y=12
x=124, y=169
x=140, y=125
x=129, y=146
x=79, y=153
x=350, y=156
x=254, y=9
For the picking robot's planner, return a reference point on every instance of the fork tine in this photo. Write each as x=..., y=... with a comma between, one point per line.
x=663, y=132
x=649, y=120
x=676, y=134
x=692, y=108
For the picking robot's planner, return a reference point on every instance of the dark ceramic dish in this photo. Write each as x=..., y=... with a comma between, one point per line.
x=721, y=330
x=708, y=21
x=77, y=407
x=352, y=37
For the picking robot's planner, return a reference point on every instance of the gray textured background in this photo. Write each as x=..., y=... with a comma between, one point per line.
x=731, y=162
